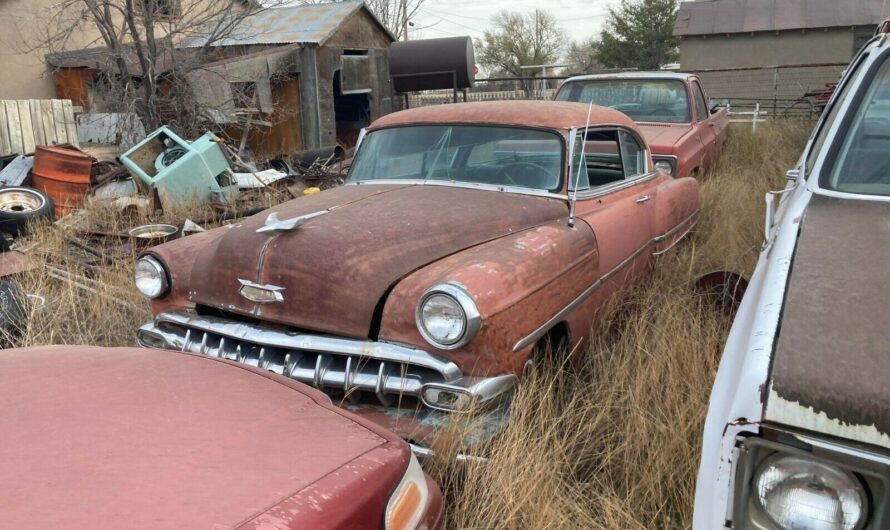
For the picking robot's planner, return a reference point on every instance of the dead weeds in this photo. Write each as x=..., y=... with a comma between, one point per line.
x=611, y=444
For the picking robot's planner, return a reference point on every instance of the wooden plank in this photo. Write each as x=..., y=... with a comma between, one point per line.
x=15, y=126
x=46, y=118
x=4, y=133
x=59, y=122
x=36, y=122
x=16, y=171
x=70, y=125
x=27, y=128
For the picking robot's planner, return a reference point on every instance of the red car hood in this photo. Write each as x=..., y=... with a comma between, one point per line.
x=662, y=137
x=140, y=438
x=336, y=268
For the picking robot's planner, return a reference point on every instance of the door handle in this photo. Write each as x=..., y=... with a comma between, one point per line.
x=643, y=199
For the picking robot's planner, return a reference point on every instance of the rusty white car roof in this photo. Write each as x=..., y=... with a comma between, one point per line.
x=679, y=76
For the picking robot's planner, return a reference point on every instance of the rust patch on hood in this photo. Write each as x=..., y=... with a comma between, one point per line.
x=831, y=368
x=336, y=267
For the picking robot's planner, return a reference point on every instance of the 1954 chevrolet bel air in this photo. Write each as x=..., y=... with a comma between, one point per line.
x=466, y=236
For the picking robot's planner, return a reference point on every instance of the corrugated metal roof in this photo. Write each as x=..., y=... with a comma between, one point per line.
x=709, y=17
x=306, y=24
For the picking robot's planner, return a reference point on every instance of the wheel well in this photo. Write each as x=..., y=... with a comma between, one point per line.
x=556, y=337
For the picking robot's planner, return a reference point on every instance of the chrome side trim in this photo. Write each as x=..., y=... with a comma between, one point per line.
x=425, y=453
x=616, y=186
x=468, y=185
x=844, y=450
x=673, y=230
x=555, y=319
x=242, y=331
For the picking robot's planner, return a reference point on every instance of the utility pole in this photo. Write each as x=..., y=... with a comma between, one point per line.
x=405, y=18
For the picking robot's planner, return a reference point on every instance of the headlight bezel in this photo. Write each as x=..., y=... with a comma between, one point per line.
x=163, y=278
x=472, y=320
x=671, y=161
x=871, y=471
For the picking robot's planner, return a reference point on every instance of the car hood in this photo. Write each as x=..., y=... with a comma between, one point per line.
x=830, y=368
x=142, y=438
x=662, y=137
x=336, y=268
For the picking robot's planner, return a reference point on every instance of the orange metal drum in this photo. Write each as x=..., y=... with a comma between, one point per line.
x=63, y=173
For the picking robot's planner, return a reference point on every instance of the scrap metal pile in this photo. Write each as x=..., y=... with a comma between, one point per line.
x=108, y=208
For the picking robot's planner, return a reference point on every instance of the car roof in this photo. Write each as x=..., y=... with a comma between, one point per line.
x=151, y=438
x=557, y=115
x=679, y=76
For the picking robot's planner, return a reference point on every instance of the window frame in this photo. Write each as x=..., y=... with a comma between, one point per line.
x=595, y=192
x=860, y=83
x=698, y=94
x=175, y=7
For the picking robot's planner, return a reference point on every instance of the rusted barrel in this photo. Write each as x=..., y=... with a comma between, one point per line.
x=63, y=173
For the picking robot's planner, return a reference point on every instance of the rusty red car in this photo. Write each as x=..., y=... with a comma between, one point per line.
x=134, y=438
x=684, y=129
x=466, y=239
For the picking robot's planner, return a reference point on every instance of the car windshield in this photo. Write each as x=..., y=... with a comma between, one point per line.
x=503, y=156
x=647, y=100
x=862, y=164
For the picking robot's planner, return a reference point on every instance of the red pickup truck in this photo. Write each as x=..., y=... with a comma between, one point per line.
x=683, y=129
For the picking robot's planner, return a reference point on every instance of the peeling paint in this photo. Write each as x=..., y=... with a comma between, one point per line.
x=794, y=414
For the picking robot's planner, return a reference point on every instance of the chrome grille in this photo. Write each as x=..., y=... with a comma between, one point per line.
x=356, y=369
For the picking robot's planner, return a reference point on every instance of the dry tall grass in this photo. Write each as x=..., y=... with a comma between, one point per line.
x=615, y=443
x=612, y=444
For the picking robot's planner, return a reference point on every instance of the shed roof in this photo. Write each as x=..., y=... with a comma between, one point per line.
x=304, y=24
x=709, y=17
x=558, y=115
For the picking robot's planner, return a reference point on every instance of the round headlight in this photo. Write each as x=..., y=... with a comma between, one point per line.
x=447, y=317
x=802, y=494
x=665, y=166
x=150, y=277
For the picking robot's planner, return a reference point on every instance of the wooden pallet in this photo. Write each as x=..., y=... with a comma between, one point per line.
x=27, y=123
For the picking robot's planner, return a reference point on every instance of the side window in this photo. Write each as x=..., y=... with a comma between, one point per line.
x=632, y=155
x=832, y=115
x=602, y=159
x=701, y=107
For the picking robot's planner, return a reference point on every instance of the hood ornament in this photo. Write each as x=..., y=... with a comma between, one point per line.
x=274, y=224
x=261, y=294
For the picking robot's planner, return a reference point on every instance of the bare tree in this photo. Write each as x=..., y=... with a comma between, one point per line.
x=395, y=15
x=520, y=40
x=148, y=46
x=581, y=57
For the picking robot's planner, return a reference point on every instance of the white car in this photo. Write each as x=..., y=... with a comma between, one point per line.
x=797, y=435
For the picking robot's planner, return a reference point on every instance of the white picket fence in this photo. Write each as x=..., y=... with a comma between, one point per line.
x=27, y=123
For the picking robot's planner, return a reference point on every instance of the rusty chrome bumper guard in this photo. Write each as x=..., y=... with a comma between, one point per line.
x=387, y=370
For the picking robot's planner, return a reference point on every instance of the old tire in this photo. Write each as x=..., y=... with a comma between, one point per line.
x=12, y=313
x=20, y=206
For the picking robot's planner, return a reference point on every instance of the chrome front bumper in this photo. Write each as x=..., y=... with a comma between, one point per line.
x=351, y=368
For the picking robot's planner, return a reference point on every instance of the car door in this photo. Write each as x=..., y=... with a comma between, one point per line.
x=705, y=126
x=615, y=198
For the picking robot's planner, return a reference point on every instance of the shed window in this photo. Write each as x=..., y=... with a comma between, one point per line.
x=356, y=74
x=161, y=8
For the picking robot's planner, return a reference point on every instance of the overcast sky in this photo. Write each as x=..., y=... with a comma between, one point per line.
x=579, y=18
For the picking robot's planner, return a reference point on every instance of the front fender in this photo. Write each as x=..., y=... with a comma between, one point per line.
x=517, y=282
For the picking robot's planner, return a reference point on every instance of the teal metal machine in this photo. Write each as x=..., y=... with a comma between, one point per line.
x=183, y=173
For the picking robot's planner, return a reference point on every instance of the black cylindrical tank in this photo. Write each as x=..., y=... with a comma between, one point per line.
x=428, y=64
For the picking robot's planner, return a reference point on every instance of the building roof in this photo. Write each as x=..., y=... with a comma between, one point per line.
x=557, y=115
x=709, y=17
x=101, y=58
x=678, y=76
x=304, y=24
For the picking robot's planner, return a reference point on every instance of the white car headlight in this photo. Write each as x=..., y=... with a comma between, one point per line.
x=150, y=277
x=665, y=166
x=408, y=502
x=802, y=494
x=447, y=317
